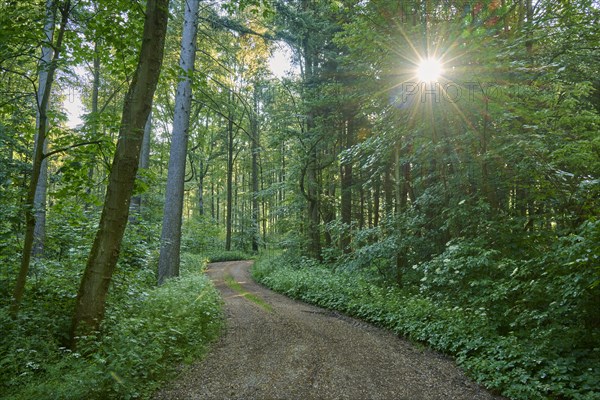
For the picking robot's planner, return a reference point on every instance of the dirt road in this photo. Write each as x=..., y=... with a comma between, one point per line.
x=278, y=348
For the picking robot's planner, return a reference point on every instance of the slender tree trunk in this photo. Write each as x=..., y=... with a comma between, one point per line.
x=388, y=189
x=212, y=201
x=94, y=114
x=346, y=189
x=314, y=232
x=376, y=200
x=38, y=158
x=170, y=239
x=39, y=202
x=488, y=190
x=136, y=201
x=255, y=178
x=400, y=193
x=529, y=41
x=369, y=206
x=90, y=302
x=218, y=208
x=229, y=210
x=329, y=211
x=201, y=176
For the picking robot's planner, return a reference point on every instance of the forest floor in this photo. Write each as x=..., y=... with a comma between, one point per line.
x=278, y=348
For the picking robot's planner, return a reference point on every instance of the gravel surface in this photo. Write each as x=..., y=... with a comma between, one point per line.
x=297, y=351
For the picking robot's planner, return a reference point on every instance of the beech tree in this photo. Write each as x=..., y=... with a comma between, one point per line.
x=90, y=303
x=42, y=185
x=47, y=79
x=168, y=262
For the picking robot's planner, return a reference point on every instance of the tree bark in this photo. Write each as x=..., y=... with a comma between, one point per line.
x=229, y=209
x=376, y=200
x=168, y=262
x=94, y=113
x=90, y=302
x=38, y=158
x=39, y=202
x=144, y=163
x=201, y=176
x=312, y=194
x=346, y=189
x=255, y=178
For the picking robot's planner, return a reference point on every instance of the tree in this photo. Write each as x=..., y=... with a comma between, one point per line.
x=90, y=302
x=168, y=262
x=136, y=201
x=38, y=160
x=42, y=185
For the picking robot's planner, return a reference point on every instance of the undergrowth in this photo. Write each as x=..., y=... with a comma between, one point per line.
x=146, y=332
x=232, y=255
x=517, y=365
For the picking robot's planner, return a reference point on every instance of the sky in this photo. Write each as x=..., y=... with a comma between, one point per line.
x=280, y=64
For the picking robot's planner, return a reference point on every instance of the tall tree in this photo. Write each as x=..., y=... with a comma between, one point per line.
x=90, y=303
x=38, y=159
x=255, y=148
x=230, y=163
x=168, y=262
x=39, y=202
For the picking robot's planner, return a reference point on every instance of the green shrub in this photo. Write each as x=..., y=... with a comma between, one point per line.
x=232, y=255
x=147, y=330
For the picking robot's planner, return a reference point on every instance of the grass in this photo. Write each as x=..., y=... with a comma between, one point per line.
x=236, y=287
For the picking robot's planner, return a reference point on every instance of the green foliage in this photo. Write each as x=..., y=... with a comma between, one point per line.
x=552, y=361
x=233, y=255
x=201, y=235
x=147, y=330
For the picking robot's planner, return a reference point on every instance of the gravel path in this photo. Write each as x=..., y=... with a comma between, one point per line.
x=290, y=350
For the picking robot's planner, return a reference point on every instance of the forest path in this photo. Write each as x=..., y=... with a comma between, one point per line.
x=278, y=348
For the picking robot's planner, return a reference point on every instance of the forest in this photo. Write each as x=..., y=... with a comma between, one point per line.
x=431, y=167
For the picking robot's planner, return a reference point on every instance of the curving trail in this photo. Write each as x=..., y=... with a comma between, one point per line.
x=286, y=349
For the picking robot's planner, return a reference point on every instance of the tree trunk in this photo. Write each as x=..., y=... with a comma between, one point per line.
x=255, y=152
x=214, y=216
x=170, y=239
x=314, y=232
x=136, y=201
x=388, y=189
x=201, y=176
x=529, y=34
x=39, y=202
x=94, y=114
x=228, y=211
x=328, y=209
x=376, y=199
x=346, y=189
x=90, y=302
x=312, y=194
x=38, y=158
x=400, y=193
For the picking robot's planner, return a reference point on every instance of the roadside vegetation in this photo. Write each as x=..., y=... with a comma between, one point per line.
x=146, y=333
x=523, y=337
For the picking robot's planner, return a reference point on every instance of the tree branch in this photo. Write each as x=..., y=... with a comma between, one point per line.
x=63, y=149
